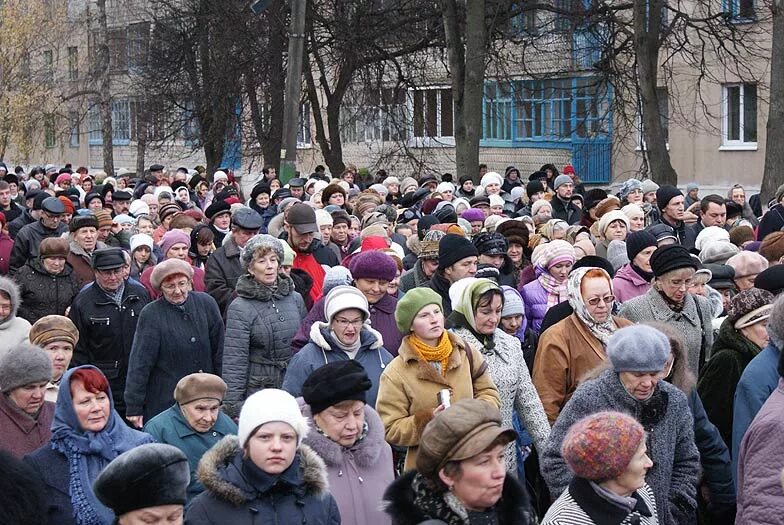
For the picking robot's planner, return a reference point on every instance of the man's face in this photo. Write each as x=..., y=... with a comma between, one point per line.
x=86, y=238
x=109, y=280
x=271, y=173
x=158, y=175
x=674, y=209
x=5, y=198
x=49, y=220
x=222, y=221
x=121, y=207
x=299, y=241
x=429, y=267
x=349, y=177
x=241, y=237
x=463, y=268
x=715, y=215
x=565, y=191
x=103, y=232
x=738, y=196
x=297, y=192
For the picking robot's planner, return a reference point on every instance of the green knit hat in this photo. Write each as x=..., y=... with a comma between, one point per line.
x=410, y=305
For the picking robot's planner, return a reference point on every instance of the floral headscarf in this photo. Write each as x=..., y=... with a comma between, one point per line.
x=602, y=331
x=552, y=253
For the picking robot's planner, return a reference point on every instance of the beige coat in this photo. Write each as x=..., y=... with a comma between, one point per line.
x=408, y=391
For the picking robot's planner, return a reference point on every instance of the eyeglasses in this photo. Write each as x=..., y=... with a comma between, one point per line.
x=680, y=283
x=607, y=299
x=345, y=323
x=180, y=285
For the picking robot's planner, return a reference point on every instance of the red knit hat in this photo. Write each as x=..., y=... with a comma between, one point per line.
x=68, y=203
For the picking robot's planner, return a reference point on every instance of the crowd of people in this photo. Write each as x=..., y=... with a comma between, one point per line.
x=389, y=351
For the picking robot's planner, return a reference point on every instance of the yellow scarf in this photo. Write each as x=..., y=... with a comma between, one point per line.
x=439, y=353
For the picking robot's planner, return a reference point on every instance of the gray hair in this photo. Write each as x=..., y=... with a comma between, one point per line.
x=259, y=242
x=776, y=323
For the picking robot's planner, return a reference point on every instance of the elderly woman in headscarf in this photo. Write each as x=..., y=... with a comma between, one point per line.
x=634, y=386
x=87, y=434
x=576, y=345
x=58, y=336
x=477, y=306
x=552, y=265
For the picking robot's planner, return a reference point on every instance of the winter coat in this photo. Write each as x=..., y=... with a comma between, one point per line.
x=760, y=497
x=693, y=323
x=382, y=320
x=772, y=221
x=176, y=340
x=28, y=240
x=566, y=211
x=566, y=352
x=81, y=262
x=20, y=222
x=13, y=329
x=535, y=304
x=628, y=284
x=409, y=386
x=171, y=427
x=411, y=499
x=440, y=284
x=259, y=328
x=757, y=383
x=237, y=494
x=106, y=333
x=358, y=475
x=668, y=420
x=13, y=212
x=413, y=278
x=21, y=433
x=223, y=270
x=6, y=247
x=732, y=353
x=322, y=350
x=686, y=236
x=197, y=281
x=53, y=469
x=44, y=293
x=581, y=505
x=518, y=395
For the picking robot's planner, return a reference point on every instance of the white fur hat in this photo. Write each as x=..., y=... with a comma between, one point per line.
x=491, y=177
x=266, y=406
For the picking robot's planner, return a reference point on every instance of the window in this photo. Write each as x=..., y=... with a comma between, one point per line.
x=73, y=124
x=303, y=130
x=49, y=133
x=568, y=14
x=544, y=109
x=380, y=117
x=94, y=133
x=497, y=111
x=433, y=114
x=121, y=121
x=740, y=10
x=73, y=63
x=48, y=66
x=138, y=45
x=118, y=50
x=524, y=19
x=739, y=116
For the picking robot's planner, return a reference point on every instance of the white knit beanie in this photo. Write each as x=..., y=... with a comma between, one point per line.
x=538, y=205
x=491, y=177
x=612, y=216
x=709, y=235
x=323, y=218
x=445, y=186
x=266, y=406
x=141, y=239
x=343, y=298
x=138, y=207
x=513, y=302
x=496, y=200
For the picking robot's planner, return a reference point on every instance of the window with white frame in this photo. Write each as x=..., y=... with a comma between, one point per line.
x=380, y=117
x=432, y=113
x=740, y=10
x=121, y=121
x=739, y=115
x=73, y=125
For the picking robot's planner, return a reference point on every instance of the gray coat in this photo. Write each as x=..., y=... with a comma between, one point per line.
x=413, y=278
x=693, y=323
x=260, y=325
x=222, y=271
x=668, y=421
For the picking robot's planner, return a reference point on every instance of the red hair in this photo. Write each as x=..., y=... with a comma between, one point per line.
x=93, y=380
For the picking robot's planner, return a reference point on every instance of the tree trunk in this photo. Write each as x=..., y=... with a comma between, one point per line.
x=647, y=24
x=774, y=141
x=104, y=88
x=277, y=87
x=142, y=119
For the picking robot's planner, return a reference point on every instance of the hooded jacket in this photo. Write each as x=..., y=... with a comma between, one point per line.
x=233, y=494
x=13, y=330
x=322, y=350
x=358, y=475
x=44, y=293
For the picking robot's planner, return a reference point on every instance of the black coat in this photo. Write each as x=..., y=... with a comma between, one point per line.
x=566, y=211
x=221, y=273
x=43, y=293
x=513, y=508
x=686, y=235
x=28, y=240
x=772, y=221
x=52, y=467
x=13, y=212
x=20, y=222
x=106, y=332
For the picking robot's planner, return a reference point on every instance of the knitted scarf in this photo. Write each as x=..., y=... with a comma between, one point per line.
x=433, y=354
x=88, y=453
x=601, y=331
x=556, y=290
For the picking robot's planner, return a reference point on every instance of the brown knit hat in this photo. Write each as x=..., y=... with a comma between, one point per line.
x=169, y=209
x=53, y=247
x=772, y=247
x=104, y=218
x=199, y=386
x=514, y=231
x=329, y=191
x=366, y=202
x=607, y=205
x=743, y=234
x=52, y=328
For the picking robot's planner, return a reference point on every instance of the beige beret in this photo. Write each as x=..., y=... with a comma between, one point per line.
x=199, y=386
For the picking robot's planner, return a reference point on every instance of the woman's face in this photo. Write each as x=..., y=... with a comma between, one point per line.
x=598, y=298
x=757, y=333
x=637, y=223
x=343, y=422
x=201, y=414
x=274, y=185
x=175, y=288
x=544, y=214
x=141, y=254
x=204, y=249
x=54, y=265
x=146, y=226
x=640, y=385
x=373, y=289
x=394, y=189
x=92, y=410
x=177, y=251
x=746, y=282
x=488, y=315
x=447, y=195
x=262, y=200
x=561, y=270
x=272, y=447
x=515, y=252
x=675, y=284
x=643, y=259
x=347, y=325
x=428, y=323
x=337, y=199
x=616, y=231
x=635, y=197
x=29, y=398
x=394, y=285
x=492, y=189
x=511, y=324
x=264, y=268
x=633, y=478
x=480, y=481
x=222, y=221
x=60, y=353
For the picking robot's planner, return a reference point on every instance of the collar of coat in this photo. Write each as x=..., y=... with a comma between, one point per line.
x=598, y=508
x=369, y=339
x=365, y=454
x=184, y=430
x=663, y=313
x=221, y=477
x=425, y=371
x=731, y=340
x=386, y=304
x=21, y=419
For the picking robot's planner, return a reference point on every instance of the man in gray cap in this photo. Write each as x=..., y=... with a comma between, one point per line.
x=297, y=187
x=311, y=254
x=223, y=267
x=145, y=485
x=105, y=314
x=29, y=238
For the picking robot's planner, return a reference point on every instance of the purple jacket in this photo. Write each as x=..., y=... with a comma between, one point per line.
x=760, y=461
x=628, y=284
x=535, y=301
x=382, y=319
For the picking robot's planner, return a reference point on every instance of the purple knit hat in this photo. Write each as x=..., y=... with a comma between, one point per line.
x=172, y=237
x=373, y=265
x=473, y=214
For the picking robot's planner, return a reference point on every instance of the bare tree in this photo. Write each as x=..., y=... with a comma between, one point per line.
x=103, y=79
x=774, y=141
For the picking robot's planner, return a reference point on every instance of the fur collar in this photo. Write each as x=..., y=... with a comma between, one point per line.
x=218, y=475
x=369, y=338
x=365, y=454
